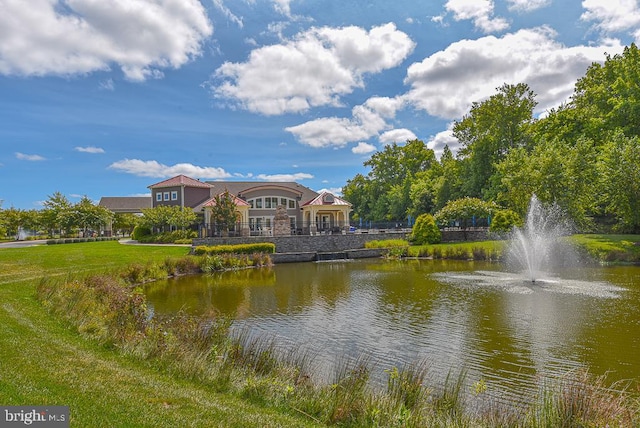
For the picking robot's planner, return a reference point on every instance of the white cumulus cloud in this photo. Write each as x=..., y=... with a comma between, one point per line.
x=478, y=11
x=447, y=82
x=363, y=148
x=397, y=136
x=155, y=169
x=89, y=149
x=527, y=5
x=32, y=158
x=51, y=37
x=613, y=15
x=298, y=176
x=366, y=121
x=313, y=69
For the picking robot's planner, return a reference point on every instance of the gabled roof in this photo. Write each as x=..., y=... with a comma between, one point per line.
x=126, y=204
x=212, y=202
x=180, y=181
x=326, y=198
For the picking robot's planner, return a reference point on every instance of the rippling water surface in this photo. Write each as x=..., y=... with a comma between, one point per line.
x=451, y=315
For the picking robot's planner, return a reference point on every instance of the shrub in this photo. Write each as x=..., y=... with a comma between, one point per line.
x=262, y=247
x=170, y=237
x=505, y=220
x=386, y=243
x=182, y=266
x=425, y=231
x=183, y=241
x=139, y=232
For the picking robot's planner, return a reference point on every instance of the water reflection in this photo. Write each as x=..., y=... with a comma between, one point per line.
x=452, y=314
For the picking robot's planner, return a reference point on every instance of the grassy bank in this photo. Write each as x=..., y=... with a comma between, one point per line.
x=599, y=248
x=610, y=248
x=136, y=372
x=45, y=362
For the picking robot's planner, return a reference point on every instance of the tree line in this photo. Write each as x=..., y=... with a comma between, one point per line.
x=583, y=156
x=60, y=217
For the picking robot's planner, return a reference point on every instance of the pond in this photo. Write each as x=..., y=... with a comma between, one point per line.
x=453, y=315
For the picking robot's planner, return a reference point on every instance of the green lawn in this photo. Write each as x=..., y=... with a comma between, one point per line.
x=44, y=362
x=610, y=248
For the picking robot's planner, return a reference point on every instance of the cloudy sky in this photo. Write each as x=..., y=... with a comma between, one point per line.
x=106, y=97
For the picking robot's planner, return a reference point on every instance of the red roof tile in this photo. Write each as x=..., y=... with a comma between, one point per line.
x=181, y=180
x=236, y=200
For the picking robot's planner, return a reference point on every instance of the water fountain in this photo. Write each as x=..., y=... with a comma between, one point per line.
x=536, y=260
x=535, y=247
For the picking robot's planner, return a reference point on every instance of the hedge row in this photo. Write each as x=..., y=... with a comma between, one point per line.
x=76, y=240
x=262, y=247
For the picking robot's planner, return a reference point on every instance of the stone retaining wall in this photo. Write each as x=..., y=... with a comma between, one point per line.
x=314, y=256
x=306, y=243
x=462, y=235
x=335, y=243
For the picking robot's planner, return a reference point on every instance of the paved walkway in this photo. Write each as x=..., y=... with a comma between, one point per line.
x=33, y=243
x=22, y=244
x=127, y=241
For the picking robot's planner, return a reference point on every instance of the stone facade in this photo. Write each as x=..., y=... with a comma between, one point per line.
x=281, y=222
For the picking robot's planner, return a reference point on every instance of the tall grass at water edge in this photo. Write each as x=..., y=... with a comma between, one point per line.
x=480, y=250
x=106, y=309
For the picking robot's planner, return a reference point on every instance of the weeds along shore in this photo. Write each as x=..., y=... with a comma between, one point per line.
x=110, y=309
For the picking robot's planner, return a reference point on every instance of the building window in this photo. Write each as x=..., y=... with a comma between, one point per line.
x=271, y=202
x=159, y=197
x=174, y=195
x=166, y=196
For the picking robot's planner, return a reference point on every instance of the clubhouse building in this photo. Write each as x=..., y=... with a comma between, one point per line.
x=263, y=208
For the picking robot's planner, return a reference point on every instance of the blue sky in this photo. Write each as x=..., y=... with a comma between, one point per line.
x=106, y=97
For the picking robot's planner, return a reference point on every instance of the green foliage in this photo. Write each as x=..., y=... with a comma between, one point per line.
x=504, y=221
x=385, y=194
x=56, y=215
x=556, y=172
x=490, y=130
x=80, y=240
x=224, y=213
x=139, y=232
x=166, y=217
x=261, y=247
x=386, y=243
x=396, y=248
x=463, y=210
x=10, y=221
x=425, y=230
x=124, y=223
x=230, y=261
x=619, y=169
x=482, y=251
x=607, y=98
x=609, y=248
x=175, y=237
x=87, y=216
